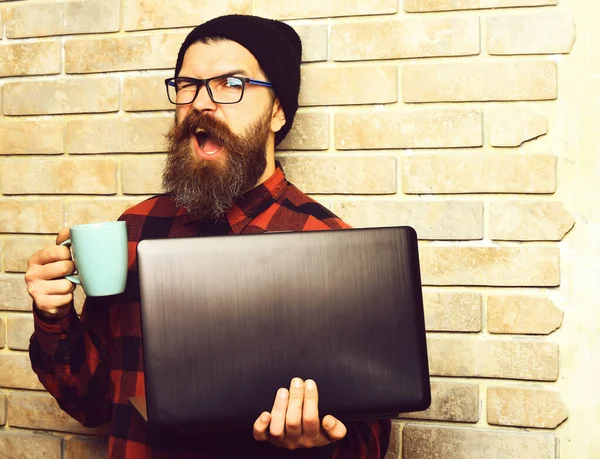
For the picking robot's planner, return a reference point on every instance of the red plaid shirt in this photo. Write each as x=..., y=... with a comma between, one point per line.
x=92, y=365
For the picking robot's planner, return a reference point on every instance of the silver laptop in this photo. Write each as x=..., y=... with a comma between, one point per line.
x=227, y=320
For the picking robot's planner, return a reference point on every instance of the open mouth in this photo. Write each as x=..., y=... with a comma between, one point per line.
x=206, y=142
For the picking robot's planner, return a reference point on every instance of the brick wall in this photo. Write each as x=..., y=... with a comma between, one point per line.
x=441, y=114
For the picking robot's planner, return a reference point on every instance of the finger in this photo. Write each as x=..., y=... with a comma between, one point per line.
x=277, y=426
x=293, y=418
x=310, y=411
x=39, y=289
x=59, y=287
x=64, y=234
x=55, y=305
x=261, y=425
x=334, y=428
x=50, y=271
x=50, y=255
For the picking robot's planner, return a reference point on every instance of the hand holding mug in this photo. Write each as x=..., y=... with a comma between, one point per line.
x=45, y=278
x=99, y=256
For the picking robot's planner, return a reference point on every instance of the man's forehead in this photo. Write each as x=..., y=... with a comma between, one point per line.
x=219, y=57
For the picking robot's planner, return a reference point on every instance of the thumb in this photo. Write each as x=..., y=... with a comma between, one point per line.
x=334, y=428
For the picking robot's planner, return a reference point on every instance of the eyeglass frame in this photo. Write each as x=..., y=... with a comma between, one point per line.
x=199, y=82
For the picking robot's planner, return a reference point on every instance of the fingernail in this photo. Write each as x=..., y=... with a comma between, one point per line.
x=328, y=423
x=310, y=384
x=265, y=417
x=297, y=383
x=282, y=393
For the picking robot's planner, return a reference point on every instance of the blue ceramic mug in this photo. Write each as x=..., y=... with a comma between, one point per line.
x=100, y=256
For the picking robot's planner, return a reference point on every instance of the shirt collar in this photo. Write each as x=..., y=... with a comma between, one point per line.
x=252, y=203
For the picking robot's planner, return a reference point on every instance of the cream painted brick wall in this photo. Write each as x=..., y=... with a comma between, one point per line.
x=41, y=412
x=52, y=97
x=31, y=137
x=445, y=115
x=415, y=6
x=37, y=58
x=38, y=19
x=76, y=448
x=480, y=81
x=373, y=129
x=405, y=38
x=426, y=441
x=457, y=402
x=344, y=85
x=22, y=444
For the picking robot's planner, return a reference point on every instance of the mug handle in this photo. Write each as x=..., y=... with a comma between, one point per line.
x=74, y=277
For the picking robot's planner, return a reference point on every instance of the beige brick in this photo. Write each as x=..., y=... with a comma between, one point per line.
x=31, y=216
x=17, y=251
x=146, y=93
x=480, y=81
x=161, y=14
x=346, y=85
x=457, y=402
x=459, y=312
x=73, y=95
x=40, y=411
x=20, y=329
x=525, y=266
x=59, y=176
x=427, y=37
x=36, y=19
x=344, y=175
x=76, y=448
x=16, y=373
x=82, y=211
x=139, y=52
x=13, y=293
x=511, y=126
x=276, y=9
x=371, y=129
x=2, y=345
x=314, y=41
x=416, y=6
x=522, y=314
x=309, y=132
x=478, y=173
x=438, y=442
x=493, y=358
x=525, y=407
x=118, y=135
x=440, y=220
x=2, y=403
x=530, y=34
x=142, y=175
x=21, y=445
x=32, y=58
x=529, y=220
x=33, y=137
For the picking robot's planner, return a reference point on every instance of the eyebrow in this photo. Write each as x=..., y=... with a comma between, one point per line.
x=227, y=74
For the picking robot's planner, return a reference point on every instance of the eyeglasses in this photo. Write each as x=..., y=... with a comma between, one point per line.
x=224, y=89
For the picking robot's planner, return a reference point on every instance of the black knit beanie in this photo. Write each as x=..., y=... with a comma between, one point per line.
x=274, y=44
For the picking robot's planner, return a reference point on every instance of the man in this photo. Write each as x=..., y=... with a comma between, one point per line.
x=236, y=87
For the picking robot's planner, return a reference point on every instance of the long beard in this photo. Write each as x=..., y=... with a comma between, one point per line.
x=208, y=189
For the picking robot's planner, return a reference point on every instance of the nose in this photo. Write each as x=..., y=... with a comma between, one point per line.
x=203, y=102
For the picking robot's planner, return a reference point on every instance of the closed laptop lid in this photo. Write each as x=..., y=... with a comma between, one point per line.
x=227, y=320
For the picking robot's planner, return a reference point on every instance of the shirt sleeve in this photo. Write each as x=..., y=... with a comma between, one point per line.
x=71, y=361
x=365, y=440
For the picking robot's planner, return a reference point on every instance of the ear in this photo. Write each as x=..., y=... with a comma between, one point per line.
x=277, y=116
